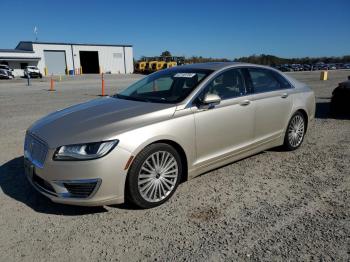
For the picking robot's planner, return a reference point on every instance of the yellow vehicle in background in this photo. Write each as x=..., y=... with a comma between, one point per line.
x=161, y=64
x=171, y=61
x=149, y=65
x=166, y=62
x=152, y=65
x=141, y=66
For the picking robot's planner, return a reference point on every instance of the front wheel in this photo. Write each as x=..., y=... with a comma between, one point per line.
x=153, y=176
x=295, y=132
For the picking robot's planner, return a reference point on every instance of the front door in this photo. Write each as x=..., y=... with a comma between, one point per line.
x=228, y=126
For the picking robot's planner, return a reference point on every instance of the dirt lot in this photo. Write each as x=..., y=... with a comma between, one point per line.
x=273, y=206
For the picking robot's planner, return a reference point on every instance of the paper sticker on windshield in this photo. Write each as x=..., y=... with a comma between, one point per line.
x=186, y=75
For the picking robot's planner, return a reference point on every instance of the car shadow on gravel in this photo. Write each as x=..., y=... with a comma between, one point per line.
x=323, y=111
x=15, y=185
x=126, y=206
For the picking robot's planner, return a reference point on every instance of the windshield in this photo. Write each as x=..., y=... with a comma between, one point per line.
x=167, y=86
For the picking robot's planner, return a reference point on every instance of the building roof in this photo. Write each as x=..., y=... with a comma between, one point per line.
x=19, y=58
x=60, y=43
x=15, y=51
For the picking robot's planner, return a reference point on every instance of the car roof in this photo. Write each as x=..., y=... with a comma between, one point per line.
x=210, y=65
x=218, y=65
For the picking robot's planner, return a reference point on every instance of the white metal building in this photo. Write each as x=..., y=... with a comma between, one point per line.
x=69, y=58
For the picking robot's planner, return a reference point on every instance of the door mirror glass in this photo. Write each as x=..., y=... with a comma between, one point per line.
x=211, y=99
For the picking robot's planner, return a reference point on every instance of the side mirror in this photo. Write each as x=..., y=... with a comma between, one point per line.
x=211, y=99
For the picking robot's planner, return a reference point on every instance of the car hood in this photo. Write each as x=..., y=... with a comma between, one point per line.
x=98, y=120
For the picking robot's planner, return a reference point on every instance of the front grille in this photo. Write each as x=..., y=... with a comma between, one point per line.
x=81, y=190
x=35, y=150
x=38, y=181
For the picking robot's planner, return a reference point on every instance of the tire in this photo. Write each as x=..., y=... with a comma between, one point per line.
x=295, y=132
x=157, y=184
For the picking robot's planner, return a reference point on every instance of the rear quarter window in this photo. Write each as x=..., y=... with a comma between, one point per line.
x=282, y=80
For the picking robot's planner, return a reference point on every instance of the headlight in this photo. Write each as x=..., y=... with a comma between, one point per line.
x=84, y=151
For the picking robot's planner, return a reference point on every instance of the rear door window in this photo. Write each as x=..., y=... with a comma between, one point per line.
x=264, y=80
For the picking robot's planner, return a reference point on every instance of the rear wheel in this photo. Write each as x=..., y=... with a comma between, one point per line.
x=295, y=131
x=154, y=176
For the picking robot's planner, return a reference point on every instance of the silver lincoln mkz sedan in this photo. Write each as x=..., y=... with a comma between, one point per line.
x=138, y=145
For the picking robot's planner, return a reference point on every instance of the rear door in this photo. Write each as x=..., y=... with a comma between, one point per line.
x=273, y=102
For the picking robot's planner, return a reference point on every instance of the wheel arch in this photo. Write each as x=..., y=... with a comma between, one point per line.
x=172, y=143
x=181, y=152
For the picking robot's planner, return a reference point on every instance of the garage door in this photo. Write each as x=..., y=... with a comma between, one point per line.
x=89, y=62
x=55, y=62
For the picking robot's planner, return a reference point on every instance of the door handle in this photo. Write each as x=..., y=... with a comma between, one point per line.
x=245, y=103
x=284, y=95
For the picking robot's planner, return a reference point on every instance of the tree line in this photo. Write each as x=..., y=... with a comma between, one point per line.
x=264, y=59
x=275, y=60
x=272, y=60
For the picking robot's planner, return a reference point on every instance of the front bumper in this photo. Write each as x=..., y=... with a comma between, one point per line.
x=33, y=75
x=86, y=183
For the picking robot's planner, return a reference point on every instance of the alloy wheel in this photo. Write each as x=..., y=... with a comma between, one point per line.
x=296, y=130
x=158, y=176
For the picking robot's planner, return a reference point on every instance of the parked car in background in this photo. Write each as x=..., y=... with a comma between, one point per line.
x=325, y=67
x=339, y=65
x=32, y=71
x=175, y=124
x=306, y=67
x=8, y=69
x=320, y=66
x=294, y=67
x=297, y=67
x=340, y=102
x=331, y=67
x=5, y=74
x=285, y=68
x=276, y=66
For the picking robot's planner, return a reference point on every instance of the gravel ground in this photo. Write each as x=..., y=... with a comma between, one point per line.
x=272, y=206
